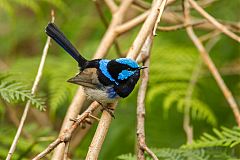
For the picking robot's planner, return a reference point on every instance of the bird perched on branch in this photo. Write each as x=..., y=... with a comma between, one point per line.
x=103, y=80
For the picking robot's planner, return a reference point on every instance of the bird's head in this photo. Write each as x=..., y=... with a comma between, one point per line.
x=122, y=69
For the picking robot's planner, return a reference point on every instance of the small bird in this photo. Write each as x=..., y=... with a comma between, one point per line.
x=103, y=80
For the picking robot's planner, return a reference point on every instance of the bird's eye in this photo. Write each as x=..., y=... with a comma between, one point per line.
x=129, y=69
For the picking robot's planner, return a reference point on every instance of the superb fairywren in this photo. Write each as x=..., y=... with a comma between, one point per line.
x=103, y=80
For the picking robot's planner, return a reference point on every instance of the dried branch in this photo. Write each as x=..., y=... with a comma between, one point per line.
x=132, y=23
x=179, y=26
x=212, y=20
x=147, y=27
x=33, y=91
x=72, y=113
x=141, y=145
x=111, y=5
x=106, y=24
x=208, y=61
x=174, y=18
x=67, y=134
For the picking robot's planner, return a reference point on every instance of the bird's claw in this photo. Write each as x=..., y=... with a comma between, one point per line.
x=109, y=110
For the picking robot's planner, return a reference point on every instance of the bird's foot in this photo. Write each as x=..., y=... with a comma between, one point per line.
x=83, y=122
x=108, y=109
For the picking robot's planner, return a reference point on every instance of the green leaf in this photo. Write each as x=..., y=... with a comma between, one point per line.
x=12, y=91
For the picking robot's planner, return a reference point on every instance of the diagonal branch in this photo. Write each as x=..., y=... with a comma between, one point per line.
x=111, y=5
x=212, y=20
x=208, y=61
x=67, y=134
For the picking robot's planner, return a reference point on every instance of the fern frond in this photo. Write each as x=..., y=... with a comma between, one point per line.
x=225, y=138
x=181, y=154
x=172, y=79
x=12, y=91
x=127, y=157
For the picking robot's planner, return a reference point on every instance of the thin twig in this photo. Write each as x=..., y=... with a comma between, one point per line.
x=33, y=91
x=106, y=24
x=132, y=23
x=111, y=5
x=147, y=27
x=141, y=104
x=208, y=61
x=209, y=35
x=212, y=20
x=67, y=134
x=175, y=18
x=65, y=157
x=179, y=26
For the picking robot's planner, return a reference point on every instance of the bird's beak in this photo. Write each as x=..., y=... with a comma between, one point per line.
x=143, y=67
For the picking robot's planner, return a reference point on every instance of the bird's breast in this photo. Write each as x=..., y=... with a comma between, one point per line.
x=104, y=95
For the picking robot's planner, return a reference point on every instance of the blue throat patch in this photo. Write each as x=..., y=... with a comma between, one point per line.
x=103, y=67
x=125, y=74
x=131, y=63
x=111, y=93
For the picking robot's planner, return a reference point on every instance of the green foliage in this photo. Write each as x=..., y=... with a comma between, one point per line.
x=30, y=143
x=172, y=79
x=12, y=91
x=186, y=154
x=34, y=6
x=127, y=157
x=225, y=138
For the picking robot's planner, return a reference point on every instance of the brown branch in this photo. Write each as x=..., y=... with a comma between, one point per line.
x=132, y=23
x=212, y=20
x=33, y=91
x=111, y=5
x=147, y=27
x=105, y=22
x=141, y=145
x=179, y=26
x=72, y=112
x=208, y=61
x=67, y=134
x=175, y=18
x=209, y=35
x=100, y=134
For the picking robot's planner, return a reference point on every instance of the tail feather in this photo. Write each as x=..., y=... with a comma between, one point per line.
x=59, y=37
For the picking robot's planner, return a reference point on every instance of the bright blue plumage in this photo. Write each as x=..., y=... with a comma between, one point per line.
x=103, y=67
x=125, y=74
x=128, y=61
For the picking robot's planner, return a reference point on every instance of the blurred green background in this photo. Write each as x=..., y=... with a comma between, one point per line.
x=174, y=58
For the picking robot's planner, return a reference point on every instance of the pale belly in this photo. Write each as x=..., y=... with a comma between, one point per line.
x=100, y=95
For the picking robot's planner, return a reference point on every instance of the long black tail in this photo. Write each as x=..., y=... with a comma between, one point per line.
x=59, y=37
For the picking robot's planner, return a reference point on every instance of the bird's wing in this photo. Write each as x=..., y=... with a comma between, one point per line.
x=86, y=78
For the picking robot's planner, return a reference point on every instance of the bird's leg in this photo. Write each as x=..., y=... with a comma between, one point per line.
x=108, y=108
